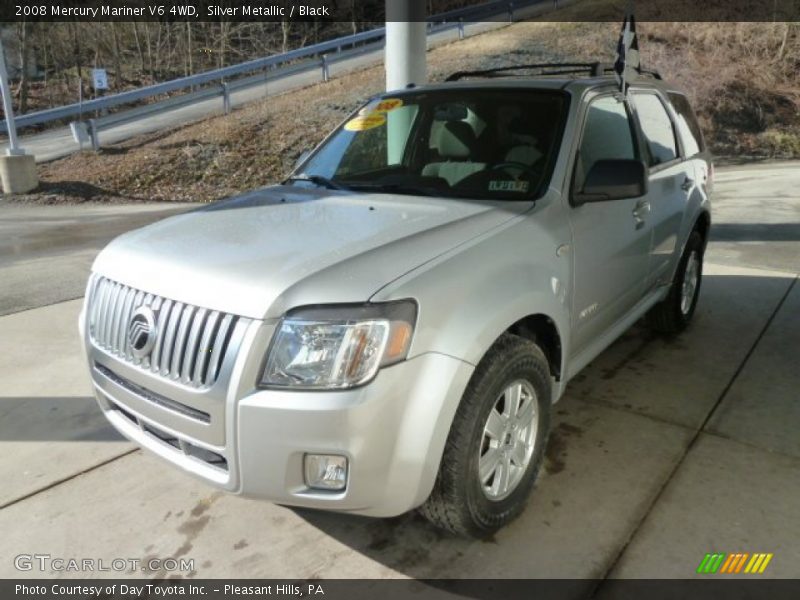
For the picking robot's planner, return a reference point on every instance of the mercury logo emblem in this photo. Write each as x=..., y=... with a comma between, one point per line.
x=142, y=331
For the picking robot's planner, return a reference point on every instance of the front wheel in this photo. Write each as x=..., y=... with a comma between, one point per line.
x=673, y=314
x=496, y=442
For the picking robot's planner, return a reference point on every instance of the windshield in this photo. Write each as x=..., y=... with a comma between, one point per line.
x=491, y=144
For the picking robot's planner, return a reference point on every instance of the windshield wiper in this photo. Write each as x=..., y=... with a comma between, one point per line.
x=318, y=180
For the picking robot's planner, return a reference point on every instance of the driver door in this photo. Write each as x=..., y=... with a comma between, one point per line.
x=611, y=239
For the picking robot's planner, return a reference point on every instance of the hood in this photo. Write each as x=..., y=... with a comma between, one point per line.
x=262, y=253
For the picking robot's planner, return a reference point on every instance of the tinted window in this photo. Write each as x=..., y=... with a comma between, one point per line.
x=657, y=128
x=606, y=134
x=687, y=125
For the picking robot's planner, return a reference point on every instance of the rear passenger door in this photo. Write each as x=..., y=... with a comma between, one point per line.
x=611, y=240
x=671, y=181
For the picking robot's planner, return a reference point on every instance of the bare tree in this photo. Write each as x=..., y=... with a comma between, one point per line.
x=118, y=78
x=139, y=50
x=22, y=46
x=285, y=31
x=189, y=62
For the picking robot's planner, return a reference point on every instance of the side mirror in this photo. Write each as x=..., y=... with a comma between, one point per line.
x=301, y=159
x=613, y=179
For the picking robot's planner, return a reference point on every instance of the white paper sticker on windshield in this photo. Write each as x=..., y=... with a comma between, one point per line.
x=365, y=122
x=509, y=186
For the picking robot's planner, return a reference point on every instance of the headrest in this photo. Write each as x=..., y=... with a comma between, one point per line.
x=456, y=140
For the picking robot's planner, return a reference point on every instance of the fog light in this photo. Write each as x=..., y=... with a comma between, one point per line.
x=326, y=471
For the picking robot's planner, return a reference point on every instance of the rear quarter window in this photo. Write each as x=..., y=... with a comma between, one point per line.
x=688, y=128
x=656, y=127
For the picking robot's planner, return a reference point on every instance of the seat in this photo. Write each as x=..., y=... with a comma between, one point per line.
x=456, y=143
x=526, y=154
x=524, y=146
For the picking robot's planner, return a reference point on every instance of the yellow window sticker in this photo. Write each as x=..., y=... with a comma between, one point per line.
x=389, y=104
x=384, y=106
x=365, y=122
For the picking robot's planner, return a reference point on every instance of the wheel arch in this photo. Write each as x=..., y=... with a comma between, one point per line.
x=543, y=331
x=702, y=225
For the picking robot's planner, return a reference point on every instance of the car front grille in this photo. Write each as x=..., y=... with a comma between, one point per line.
x=190, y=342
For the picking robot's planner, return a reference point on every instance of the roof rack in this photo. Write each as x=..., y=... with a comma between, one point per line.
x=595, y=69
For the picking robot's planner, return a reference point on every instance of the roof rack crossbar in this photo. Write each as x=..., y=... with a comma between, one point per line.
x=594, y=69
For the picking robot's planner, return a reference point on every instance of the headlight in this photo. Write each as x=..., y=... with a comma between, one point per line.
x=340, y=346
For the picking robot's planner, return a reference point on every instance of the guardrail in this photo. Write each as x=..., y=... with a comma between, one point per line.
x=320, y=55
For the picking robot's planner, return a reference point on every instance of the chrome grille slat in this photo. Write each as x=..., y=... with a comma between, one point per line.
x=119, y=301
x=95, y=306
x=191, y=342
x=204, y=351
x=163, y=315
x=124, y=318
x=216, y=355
x=169, y=338
x=101, y=317
x=109, y=320
x=190, y=353
x=180, y=341
x=93, y=290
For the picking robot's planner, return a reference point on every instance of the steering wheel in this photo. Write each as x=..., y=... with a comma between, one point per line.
x=514, y=165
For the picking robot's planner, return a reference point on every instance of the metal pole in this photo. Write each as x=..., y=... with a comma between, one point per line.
x=8, y=107
x=94, y=135
x=226, y=98
x=406, y=43
x=326, y=74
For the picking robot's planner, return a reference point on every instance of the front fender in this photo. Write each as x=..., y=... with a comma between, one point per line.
x=470, y=296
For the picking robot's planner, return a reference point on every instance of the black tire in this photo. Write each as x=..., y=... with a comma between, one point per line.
x=667, y=316
x=458, y=502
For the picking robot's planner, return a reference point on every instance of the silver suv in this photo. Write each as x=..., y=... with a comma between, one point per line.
x=388, y=328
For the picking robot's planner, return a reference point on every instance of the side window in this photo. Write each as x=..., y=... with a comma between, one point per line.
x=606, y=135
x=688, y=128
x=656, y=127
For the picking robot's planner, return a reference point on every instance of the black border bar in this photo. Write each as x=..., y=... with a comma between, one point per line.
x=708, y=588
x=374, y=10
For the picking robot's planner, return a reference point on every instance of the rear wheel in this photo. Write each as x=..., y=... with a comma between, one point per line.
x=496, y=442
x=673, y=314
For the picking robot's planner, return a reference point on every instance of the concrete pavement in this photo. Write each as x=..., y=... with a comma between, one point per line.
x=661, y=451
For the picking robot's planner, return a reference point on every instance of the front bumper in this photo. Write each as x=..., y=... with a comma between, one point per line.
x=392, y=430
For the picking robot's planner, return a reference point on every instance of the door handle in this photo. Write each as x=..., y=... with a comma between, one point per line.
x=642, y=208
x=687, y=184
